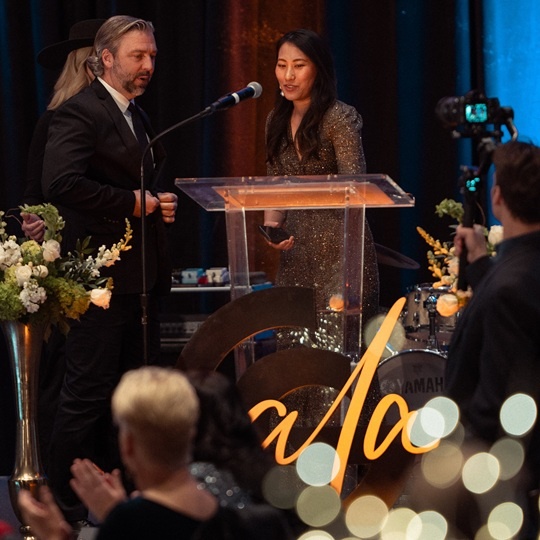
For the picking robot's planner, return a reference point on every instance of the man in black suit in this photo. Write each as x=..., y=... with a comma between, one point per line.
x=495, y=350
x=91, y=171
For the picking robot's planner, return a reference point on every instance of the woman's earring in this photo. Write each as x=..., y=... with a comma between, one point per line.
x=281, y=93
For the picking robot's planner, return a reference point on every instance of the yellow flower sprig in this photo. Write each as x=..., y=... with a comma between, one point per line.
x=439, y=259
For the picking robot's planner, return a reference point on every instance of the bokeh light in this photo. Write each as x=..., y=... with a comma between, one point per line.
x=480, y=472
x=511, y=456
x=397, y=338
x=316, y=535
x=416, y=427
x=318, y=464
x=318, y=506
x=434, y=526
x=442, y=467
x=518, y=414
x=437, y=419
x=402, y=524
x=366, y=516
x=505, y=521
x=282, y=486
x=448, y=410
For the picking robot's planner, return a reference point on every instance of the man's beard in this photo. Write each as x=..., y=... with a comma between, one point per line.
x=133, y=88
x=129, y=84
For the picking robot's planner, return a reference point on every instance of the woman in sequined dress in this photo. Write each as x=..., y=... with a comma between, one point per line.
x=310, y=132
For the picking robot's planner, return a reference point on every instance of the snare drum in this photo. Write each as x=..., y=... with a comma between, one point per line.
x=416, y=375
x=415, y=316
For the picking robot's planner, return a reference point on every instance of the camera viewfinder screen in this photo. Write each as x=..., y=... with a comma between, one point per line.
x=476, y=113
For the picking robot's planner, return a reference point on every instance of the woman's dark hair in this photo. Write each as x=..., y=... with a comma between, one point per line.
x=323, y=95
x=225, y=435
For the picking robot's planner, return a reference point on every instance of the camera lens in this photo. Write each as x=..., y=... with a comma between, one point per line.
x=448, y=110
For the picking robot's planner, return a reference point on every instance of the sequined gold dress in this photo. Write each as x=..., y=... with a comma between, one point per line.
x=316, y=258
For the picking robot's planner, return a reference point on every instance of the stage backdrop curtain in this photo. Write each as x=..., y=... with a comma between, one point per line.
x=206, y=49
x=511, y=54
x=394, y=60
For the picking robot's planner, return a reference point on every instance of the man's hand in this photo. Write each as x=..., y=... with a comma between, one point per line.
x=33, y=226
x=169, y=204
x=43, y=516
x=152, y=203
x=99, y=491
x=474, y=240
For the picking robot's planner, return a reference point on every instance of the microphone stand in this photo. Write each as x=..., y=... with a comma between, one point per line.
x=144, y=295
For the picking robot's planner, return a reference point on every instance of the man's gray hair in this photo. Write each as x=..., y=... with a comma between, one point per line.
x=109, y=36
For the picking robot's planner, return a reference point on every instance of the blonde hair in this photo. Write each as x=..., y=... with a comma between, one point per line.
x=160, y=408
x=74, y=77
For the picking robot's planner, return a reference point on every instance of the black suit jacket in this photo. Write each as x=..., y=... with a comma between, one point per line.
x=91, y=168
x=495, y=350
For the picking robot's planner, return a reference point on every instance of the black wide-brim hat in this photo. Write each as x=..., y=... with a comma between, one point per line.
x=81, y=34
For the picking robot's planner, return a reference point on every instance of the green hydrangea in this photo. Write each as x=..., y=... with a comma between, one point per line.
x=10, y=305
x=32, y=252
x=72, y=297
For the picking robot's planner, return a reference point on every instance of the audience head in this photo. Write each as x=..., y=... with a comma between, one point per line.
x=517, y=176
x=225, y=435
x=158, y=408
x=110, y=35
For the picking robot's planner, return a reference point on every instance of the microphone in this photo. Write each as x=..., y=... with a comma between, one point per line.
x=252, y=90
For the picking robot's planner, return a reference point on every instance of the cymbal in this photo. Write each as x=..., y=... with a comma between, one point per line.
x=389, y=257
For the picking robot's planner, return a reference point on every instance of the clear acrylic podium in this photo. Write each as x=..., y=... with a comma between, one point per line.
x=236, y=195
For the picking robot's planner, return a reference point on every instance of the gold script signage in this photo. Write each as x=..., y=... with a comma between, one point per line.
x=362, y=375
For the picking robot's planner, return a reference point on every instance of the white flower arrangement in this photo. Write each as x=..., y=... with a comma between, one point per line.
x=37, y=284
x=443, y=263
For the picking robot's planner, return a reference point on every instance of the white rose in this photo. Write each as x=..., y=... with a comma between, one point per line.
x=100, y=297
x=495, y=235
x=40, y=271
x=22, y=274
x=51, y=250
x=447, y=305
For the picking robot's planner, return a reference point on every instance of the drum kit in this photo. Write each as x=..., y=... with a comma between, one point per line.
x=416, y=370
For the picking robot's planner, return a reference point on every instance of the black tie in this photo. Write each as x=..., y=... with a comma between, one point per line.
x=140, y=132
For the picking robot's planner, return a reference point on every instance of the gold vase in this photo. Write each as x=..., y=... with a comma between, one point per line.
x=24, y=343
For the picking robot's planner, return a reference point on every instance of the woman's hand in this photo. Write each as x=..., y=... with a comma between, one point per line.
x=43, y=516
x=285, y=245
x=99, y=491
x=33, y=226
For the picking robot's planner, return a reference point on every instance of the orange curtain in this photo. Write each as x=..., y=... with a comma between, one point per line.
x=248, y=44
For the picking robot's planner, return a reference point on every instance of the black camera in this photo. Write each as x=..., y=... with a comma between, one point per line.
x=473, y=114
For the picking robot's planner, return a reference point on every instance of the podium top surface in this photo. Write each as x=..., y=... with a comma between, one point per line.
x=295, y=192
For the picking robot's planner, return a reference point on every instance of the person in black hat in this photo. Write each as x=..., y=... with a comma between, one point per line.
x=70, y=56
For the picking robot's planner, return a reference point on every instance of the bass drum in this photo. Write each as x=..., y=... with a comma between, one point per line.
x=417, y=375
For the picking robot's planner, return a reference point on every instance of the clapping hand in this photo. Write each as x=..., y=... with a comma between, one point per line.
x=99, y=491
x=43, y=516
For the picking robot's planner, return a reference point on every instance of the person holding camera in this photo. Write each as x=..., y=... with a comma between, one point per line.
x=494, y=355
